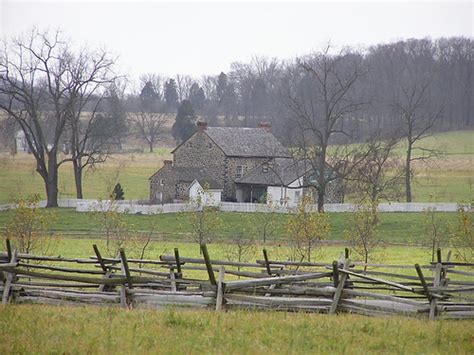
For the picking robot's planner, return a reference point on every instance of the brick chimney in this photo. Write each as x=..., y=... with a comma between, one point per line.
x=167, y=162
x=267, y=126
x=201, y=125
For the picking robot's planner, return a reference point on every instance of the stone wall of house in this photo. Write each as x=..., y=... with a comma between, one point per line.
x=201, y=152
x=162, y=186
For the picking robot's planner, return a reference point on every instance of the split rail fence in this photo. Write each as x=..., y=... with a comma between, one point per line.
x=440, y=289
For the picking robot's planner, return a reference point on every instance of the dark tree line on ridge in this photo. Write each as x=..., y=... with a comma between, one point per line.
x=257, y=91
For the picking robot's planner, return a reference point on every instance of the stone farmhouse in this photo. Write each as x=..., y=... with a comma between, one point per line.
x=233, y=164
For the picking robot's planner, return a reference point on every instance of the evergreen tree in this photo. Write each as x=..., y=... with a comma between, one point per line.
x=171, y=94
x=184, y=125
x=148, y=97
x=221, y=87
x=197, y=96
x=118, y=193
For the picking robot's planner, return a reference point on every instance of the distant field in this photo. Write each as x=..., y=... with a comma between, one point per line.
x=447, y=179
x=19, y=178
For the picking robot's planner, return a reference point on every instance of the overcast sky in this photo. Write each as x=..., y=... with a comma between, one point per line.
x=205, y=37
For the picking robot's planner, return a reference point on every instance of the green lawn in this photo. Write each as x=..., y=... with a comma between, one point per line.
x=395, y=227
x=58, y=330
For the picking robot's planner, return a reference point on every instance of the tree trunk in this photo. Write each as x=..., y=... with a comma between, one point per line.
x=51, y=181
x=322, y=179
x=408, y=174
x=78, y=178
x=151, y=147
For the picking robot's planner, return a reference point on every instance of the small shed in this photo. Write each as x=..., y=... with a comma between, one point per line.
x=209, y=191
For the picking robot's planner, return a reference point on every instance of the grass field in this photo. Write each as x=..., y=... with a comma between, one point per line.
x=112, y=330
x=395, y=227
x=447, y=179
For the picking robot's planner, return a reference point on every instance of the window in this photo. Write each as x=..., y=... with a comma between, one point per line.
x=239, y=171
x=265, y=167
x=209, y=145
x=162, y=182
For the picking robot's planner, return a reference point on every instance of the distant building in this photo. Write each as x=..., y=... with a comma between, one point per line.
x=21, y=143
x=235, y=164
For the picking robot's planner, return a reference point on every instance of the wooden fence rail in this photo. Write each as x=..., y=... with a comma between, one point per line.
x=442, y=289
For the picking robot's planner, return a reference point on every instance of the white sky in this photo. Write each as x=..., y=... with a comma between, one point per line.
x=204, y=38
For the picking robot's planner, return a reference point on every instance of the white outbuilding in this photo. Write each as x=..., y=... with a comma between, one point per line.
x=208, y=192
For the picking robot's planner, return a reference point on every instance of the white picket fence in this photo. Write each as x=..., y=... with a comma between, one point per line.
x=137, y=207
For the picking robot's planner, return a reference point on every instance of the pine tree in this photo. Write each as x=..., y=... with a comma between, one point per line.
x=118, y=193
x=184, y=125
x=148, y=97
x=171, y=95
x=221, y=87
x=197, y=96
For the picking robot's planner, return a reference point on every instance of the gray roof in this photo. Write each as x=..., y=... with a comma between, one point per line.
x=246, y=142
x=281, y=171
x=187, y=174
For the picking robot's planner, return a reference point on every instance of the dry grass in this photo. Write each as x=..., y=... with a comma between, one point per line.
x=48, y=329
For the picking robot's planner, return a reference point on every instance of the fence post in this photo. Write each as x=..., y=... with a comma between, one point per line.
x=335, y=273
x=207, y=260
x=9, y=280
x=444, y=279
x=436, y=283
x=339, y=288
x=178, y=263
x=99, y=258
x=126, y=272
x=425, y=290
x=220, y=288
x=9, y=250
x=108, y=272
x=267, y=264
x=173, y=280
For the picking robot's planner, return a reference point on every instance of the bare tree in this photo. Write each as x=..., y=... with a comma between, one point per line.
x=307, y=230
x=417, y=118
x=150, y=127
x=156, y=82
x=36, y=74
x=91, y=132
x=322, y=97
x=183, y=86
x=44, y=86
x=240, y=248
x=363, y=236
x=380, y=175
